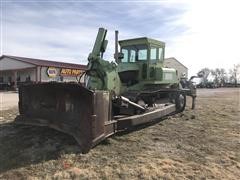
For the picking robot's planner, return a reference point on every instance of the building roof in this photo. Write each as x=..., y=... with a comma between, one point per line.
x=173, y=58
x=46, y=63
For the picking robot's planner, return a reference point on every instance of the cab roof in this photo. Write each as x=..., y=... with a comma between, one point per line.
x=141, y=40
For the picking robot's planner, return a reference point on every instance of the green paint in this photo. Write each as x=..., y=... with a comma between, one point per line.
x=141, y=67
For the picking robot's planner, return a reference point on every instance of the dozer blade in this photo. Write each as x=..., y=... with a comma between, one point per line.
x=69, y=108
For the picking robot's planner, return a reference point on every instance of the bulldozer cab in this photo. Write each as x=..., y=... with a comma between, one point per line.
x=142, y=50
x=141, y=56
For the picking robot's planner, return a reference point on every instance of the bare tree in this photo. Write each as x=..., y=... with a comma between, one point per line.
x=203, y=73
x=220, y=76
x=223, y=76
x=234, y=74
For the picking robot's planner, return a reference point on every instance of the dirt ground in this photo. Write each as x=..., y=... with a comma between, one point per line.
x=197, y=144
x=8, y=100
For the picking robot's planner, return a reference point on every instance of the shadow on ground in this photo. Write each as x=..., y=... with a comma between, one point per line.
x=22, y=145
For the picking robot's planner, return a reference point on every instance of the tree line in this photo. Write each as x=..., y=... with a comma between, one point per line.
x=220, y=77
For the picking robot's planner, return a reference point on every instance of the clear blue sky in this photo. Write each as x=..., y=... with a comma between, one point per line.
x=199, y=34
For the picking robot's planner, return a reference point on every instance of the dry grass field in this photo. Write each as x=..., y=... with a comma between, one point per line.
x=197, y=144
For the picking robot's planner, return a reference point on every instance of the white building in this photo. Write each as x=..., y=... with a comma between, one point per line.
x=16, y=70
x=174, y=63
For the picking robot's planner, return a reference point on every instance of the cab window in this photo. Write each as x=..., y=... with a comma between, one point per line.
x=160, y=54
x=132, y=55
x=142, y=54
x=153, y=54
x=125, y=54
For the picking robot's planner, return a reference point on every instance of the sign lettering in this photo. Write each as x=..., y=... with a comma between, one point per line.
x=71, y=72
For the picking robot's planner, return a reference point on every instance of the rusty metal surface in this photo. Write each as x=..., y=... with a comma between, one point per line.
x=69, y=108
x=124, y=123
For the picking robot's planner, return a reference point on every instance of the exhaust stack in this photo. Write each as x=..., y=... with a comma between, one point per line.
x=116, y=47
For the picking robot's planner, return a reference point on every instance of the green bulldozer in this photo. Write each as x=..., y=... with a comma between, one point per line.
x=116, y=96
